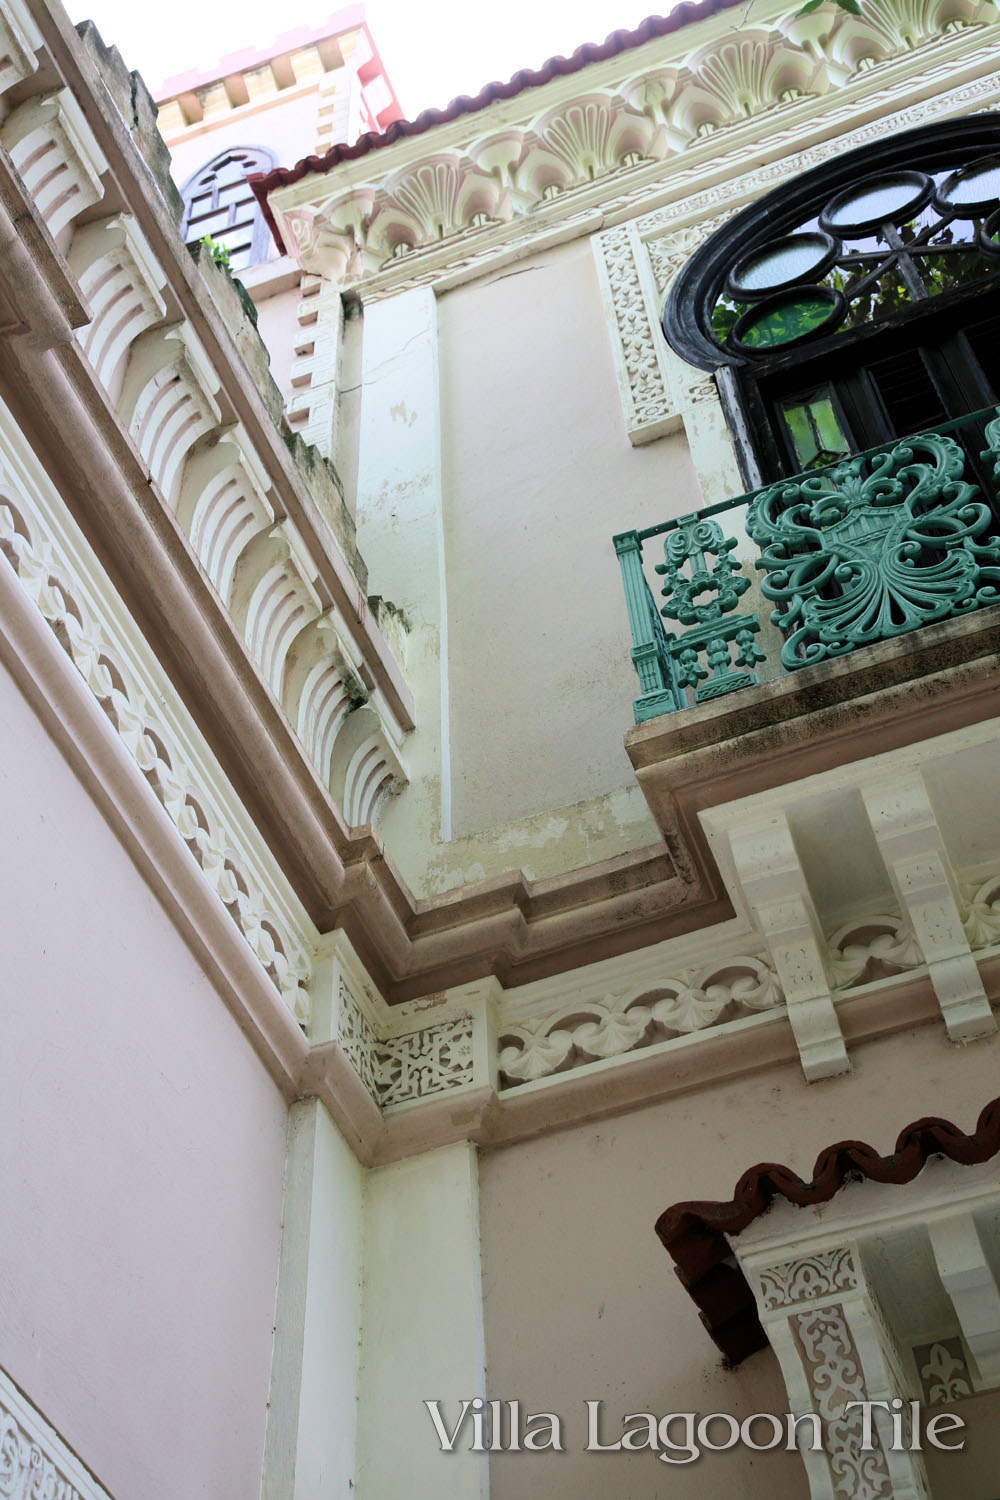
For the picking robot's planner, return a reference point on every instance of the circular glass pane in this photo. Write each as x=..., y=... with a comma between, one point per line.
x=803, y=312
x=782, y=263
x=972, y=191
x=890, y=198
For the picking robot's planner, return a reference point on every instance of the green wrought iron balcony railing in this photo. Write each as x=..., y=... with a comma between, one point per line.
x=857, y=552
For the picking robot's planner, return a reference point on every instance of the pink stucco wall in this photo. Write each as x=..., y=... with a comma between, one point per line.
x=141, y=1159
x=581, y=1301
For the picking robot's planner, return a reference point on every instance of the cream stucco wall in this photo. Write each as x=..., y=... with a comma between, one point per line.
x=311, y=1449
x=581, y=1301
x=538, y=475
x=141, y=1159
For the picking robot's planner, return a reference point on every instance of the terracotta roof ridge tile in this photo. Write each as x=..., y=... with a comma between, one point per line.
x=616, y=42
x=694, y=1233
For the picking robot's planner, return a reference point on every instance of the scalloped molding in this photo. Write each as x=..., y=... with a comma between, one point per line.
x=54, y=566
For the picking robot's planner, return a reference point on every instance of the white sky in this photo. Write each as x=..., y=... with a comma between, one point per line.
x=432, y=49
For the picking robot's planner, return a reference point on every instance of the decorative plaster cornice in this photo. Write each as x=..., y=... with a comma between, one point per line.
x=185, y=334
x=455, y=200
x=584, y=1031
x=45, y=550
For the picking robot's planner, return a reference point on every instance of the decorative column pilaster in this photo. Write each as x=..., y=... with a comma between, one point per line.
x=835, y=1350
x=422, y=1330
x=311, y=1442
x=654, y=667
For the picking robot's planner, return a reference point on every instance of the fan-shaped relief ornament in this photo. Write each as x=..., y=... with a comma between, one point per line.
x=734, y=80
x=594, y=135
x=716, y=995
x=894, y=26
x=612, y=1033
x=331, y=238
x=669, y=251
x=874, y=547
x=541, y=176
x=752, y=72
x=435, y=199
x=753, y=985
x=870, y=948
x=533, y=1051
x=982, y=921
x=322, y=246
x=691, y=1009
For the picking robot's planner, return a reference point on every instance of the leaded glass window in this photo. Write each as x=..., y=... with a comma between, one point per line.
x=893, y=239
x=858, y=302
x=219, y=202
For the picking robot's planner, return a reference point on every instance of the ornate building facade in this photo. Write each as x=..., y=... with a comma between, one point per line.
x=455, y=1001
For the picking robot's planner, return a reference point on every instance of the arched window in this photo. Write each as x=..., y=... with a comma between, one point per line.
x=218, y=202
x=856, y=304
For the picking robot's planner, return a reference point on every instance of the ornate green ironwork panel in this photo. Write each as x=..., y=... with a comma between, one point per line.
x=992, y=449
x=702, y=586
x=705, y=591
x=876, y=546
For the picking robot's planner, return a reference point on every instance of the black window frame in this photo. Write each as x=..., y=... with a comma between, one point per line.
x=931, y=334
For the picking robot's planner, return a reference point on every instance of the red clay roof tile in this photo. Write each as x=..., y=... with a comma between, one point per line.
x=591, y=52
x=694, y=1234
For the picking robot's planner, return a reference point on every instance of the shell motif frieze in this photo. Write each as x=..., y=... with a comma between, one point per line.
x=653, y=115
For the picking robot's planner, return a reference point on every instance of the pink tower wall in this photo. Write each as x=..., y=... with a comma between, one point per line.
x=141, y=1158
